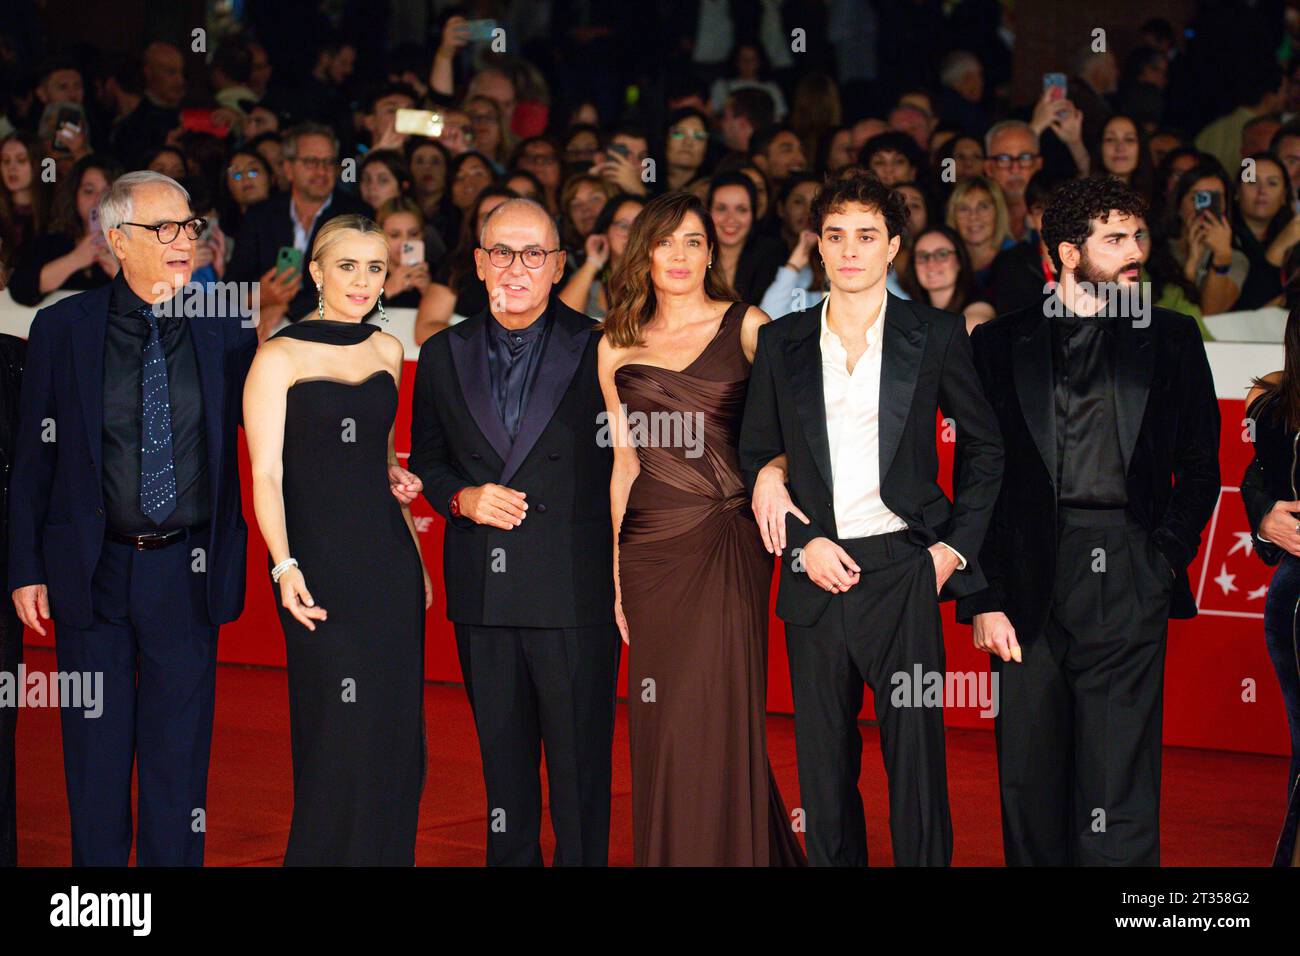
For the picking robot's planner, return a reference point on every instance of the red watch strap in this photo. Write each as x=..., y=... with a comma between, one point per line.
x=454, y=506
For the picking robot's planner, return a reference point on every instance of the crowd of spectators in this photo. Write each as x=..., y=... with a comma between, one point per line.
x=593, y=112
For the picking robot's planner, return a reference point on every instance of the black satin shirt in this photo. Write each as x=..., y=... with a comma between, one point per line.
x=1089, y=463
x=514, y=356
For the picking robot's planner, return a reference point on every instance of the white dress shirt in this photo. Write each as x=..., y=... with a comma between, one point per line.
x=852, y=401
x=302, y=233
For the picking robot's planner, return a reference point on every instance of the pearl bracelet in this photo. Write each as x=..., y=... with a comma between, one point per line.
x=280, y=568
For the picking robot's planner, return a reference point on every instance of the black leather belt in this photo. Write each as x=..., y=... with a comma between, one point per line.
x=152, y=540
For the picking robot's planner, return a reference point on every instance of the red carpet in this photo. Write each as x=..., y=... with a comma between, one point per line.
x=1219, y=809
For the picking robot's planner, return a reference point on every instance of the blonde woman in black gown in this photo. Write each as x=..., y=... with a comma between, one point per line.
x=319, y=406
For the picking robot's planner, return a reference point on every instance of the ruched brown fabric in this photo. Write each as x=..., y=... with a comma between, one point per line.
x=695, y=583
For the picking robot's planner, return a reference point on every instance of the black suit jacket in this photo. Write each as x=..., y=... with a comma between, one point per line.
x=926, y=366
x=56, y=494
x=760, y=257
x=555, y=569
x=1168, y=419
x=267, y=227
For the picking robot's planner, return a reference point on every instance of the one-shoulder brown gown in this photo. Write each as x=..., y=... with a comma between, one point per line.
x=695, y=581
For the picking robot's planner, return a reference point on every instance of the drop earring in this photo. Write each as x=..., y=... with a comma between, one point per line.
x=320, y=302
x=380, y=302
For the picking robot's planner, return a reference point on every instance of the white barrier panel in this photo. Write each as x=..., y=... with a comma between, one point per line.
x=1257, y=325
x=1234, y=363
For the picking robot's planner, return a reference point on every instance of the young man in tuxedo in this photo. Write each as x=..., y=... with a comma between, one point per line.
x=849, y=390
x=503, y=438
x=1111, y=424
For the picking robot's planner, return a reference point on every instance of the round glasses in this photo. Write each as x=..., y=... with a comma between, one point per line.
x=169, y=230
x=238, y=174
x=939, y=255
x=503, y=257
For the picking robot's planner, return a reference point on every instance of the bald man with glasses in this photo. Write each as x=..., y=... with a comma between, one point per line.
x=505, y=438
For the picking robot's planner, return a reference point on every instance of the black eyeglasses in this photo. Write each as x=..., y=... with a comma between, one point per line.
x=169, y=230
x=503, y=257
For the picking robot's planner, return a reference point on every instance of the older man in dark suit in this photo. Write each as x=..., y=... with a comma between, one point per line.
x=125, y=526
x=504, y=433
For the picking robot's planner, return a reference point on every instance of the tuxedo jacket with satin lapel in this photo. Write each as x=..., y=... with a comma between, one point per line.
x=556, y=569
x=56, y=496
x=1168, y=421
x=925, y=366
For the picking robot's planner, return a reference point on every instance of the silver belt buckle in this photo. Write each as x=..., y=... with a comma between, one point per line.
x=153, y=536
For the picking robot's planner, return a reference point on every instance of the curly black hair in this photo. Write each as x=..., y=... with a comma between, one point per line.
x=865, y=190
x=1074, y=205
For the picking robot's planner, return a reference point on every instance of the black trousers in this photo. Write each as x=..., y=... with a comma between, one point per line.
x=885, y=625
x=11, y=655
x=530, y=687
x=1078, y=732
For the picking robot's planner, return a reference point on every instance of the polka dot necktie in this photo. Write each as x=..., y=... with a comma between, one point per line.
x=157, y=478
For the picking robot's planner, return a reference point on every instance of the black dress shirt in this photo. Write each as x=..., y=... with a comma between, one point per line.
x=1089, y=463
x=123, y=353
x=514, y=356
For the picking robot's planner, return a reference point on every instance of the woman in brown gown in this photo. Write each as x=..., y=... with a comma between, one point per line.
x=692, y=573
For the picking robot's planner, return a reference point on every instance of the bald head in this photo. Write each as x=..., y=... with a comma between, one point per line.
x=517, y=216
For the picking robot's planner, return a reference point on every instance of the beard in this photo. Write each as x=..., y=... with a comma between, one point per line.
x=1089, y=272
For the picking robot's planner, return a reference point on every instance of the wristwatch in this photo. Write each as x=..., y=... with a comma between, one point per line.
x=454, y=505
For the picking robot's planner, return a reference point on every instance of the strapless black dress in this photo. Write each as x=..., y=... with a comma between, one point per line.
x=356, y=688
